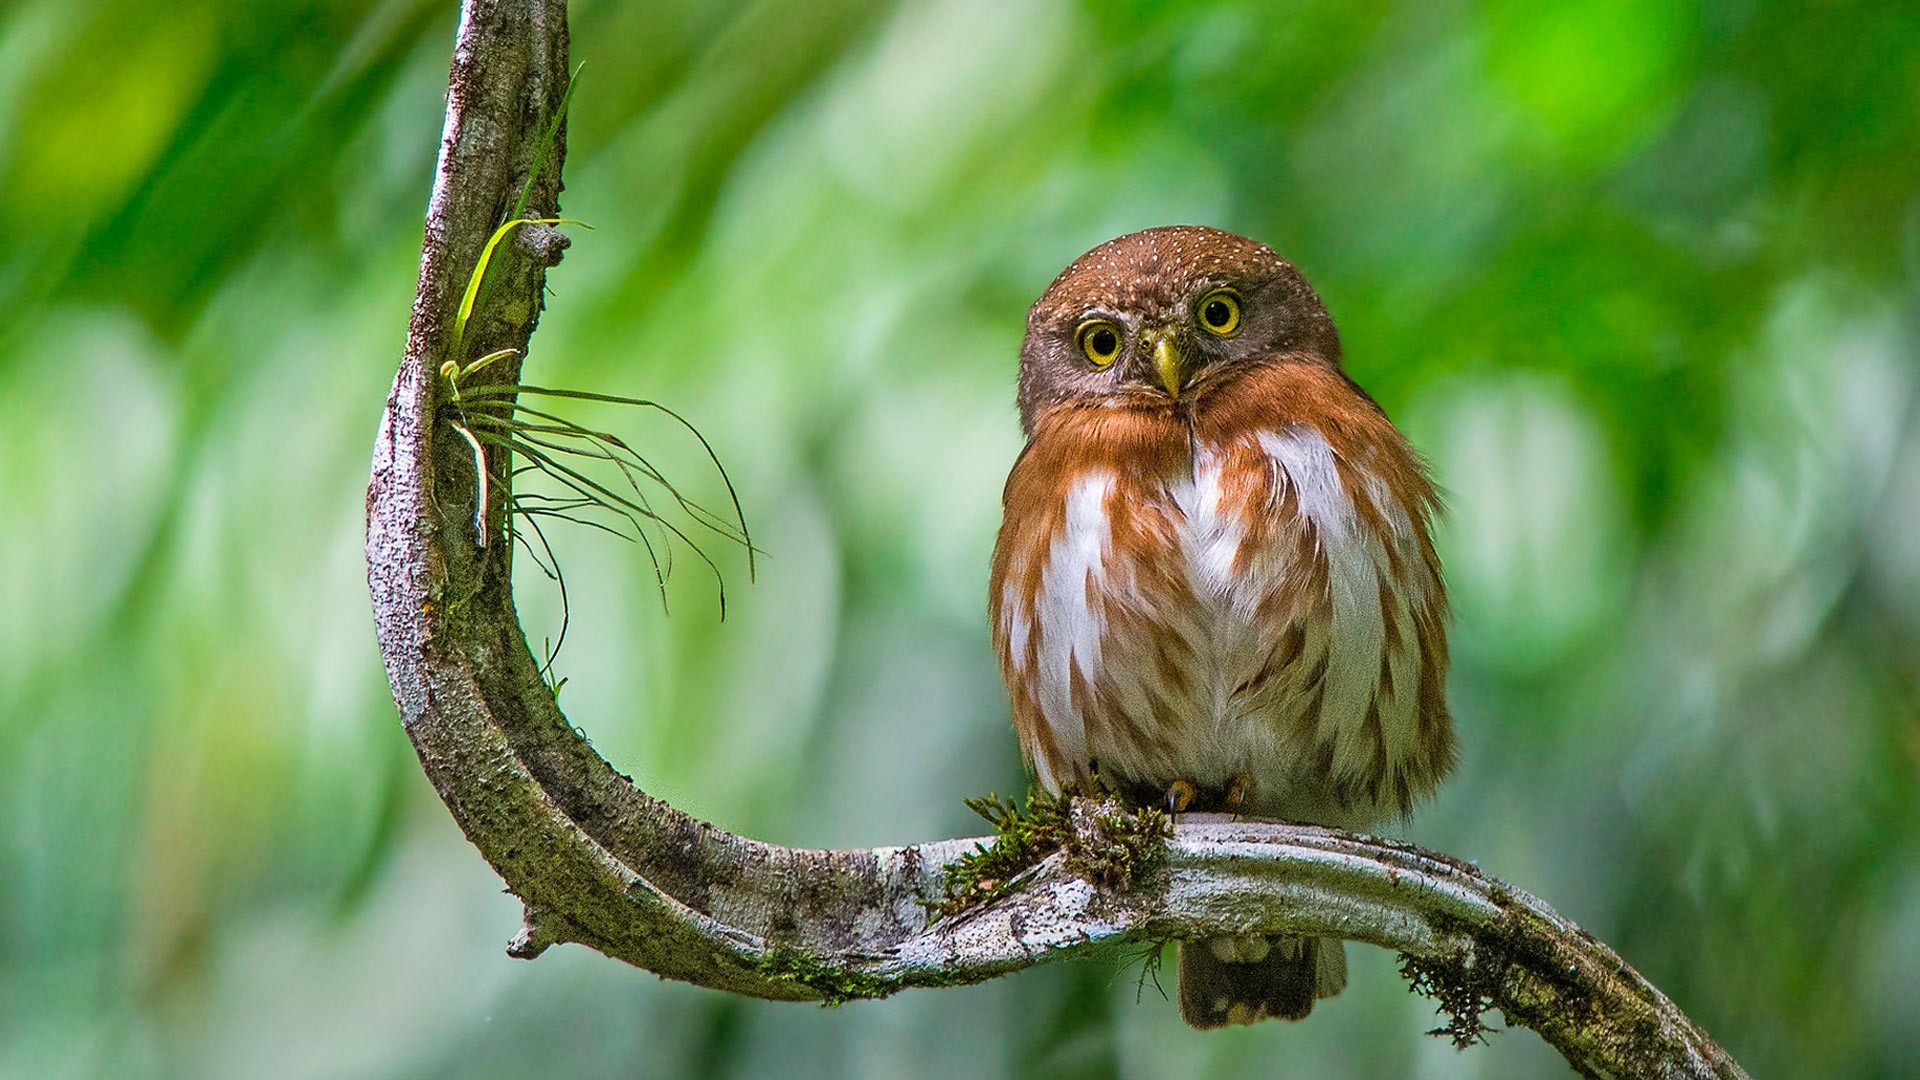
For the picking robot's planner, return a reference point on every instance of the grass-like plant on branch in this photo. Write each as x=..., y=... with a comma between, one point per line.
x=596, y=478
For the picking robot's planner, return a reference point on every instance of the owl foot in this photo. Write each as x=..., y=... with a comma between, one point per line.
x=1239, y=787
x=1180, y=795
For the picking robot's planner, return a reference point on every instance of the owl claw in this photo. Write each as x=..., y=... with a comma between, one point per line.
x=1239, y=786
x=1180, y=795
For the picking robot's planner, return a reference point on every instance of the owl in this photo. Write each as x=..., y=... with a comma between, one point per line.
x=1214, y=585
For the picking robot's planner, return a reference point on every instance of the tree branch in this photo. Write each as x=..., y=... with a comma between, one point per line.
x=598, y=862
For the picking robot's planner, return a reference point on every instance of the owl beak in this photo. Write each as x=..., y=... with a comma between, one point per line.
x=1166, y=364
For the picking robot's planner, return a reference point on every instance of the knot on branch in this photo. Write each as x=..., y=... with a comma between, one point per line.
x=538, y=932
x=542, y=244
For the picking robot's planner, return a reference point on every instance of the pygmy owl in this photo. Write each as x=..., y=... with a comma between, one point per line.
x=1214, y=583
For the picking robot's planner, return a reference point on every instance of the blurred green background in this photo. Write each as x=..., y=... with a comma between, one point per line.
x=1640, y=277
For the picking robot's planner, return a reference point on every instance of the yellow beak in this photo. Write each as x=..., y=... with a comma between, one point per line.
x=1166, y=363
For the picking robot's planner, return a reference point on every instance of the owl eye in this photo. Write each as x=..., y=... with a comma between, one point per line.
x=1100, y=340
x=1220, y=312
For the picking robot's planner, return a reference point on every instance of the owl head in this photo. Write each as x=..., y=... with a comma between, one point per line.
x=1152, y=317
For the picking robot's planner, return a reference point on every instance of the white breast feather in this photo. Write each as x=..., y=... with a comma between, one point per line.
x=1071, y=633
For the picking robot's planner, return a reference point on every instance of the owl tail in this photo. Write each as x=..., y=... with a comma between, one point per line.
x=1238, y=980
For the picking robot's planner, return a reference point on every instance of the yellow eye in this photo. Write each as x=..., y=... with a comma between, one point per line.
x=1220, y=312
x=1100, y=340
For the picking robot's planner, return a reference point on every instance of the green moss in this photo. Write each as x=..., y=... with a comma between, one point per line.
x=1125, y=845
x=1463, y=987
x=1021, y=840
x=835, y=985
x=1128, y=844
x=1511, y=964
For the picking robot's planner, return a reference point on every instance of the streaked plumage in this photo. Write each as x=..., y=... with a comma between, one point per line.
x=1221, y=573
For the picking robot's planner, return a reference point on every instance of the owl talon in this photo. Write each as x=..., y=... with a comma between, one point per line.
x=1180, y=795
x=1239, y=787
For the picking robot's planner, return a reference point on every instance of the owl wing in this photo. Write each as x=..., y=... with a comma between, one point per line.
x=1045, y=530
x=1079, y=573
x=1349, y=655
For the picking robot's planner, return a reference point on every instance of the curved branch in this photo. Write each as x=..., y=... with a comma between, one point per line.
x=598, y=862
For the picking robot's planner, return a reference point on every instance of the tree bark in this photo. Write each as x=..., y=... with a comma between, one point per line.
x=598, y=862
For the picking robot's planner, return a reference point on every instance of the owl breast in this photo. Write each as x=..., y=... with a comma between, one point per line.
x=1207, y=600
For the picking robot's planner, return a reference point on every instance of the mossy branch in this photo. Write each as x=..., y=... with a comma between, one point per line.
x=600, y=863
x=1112, y=844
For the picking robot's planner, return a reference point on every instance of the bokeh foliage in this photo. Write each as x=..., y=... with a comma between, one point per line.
x=1640, y=277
